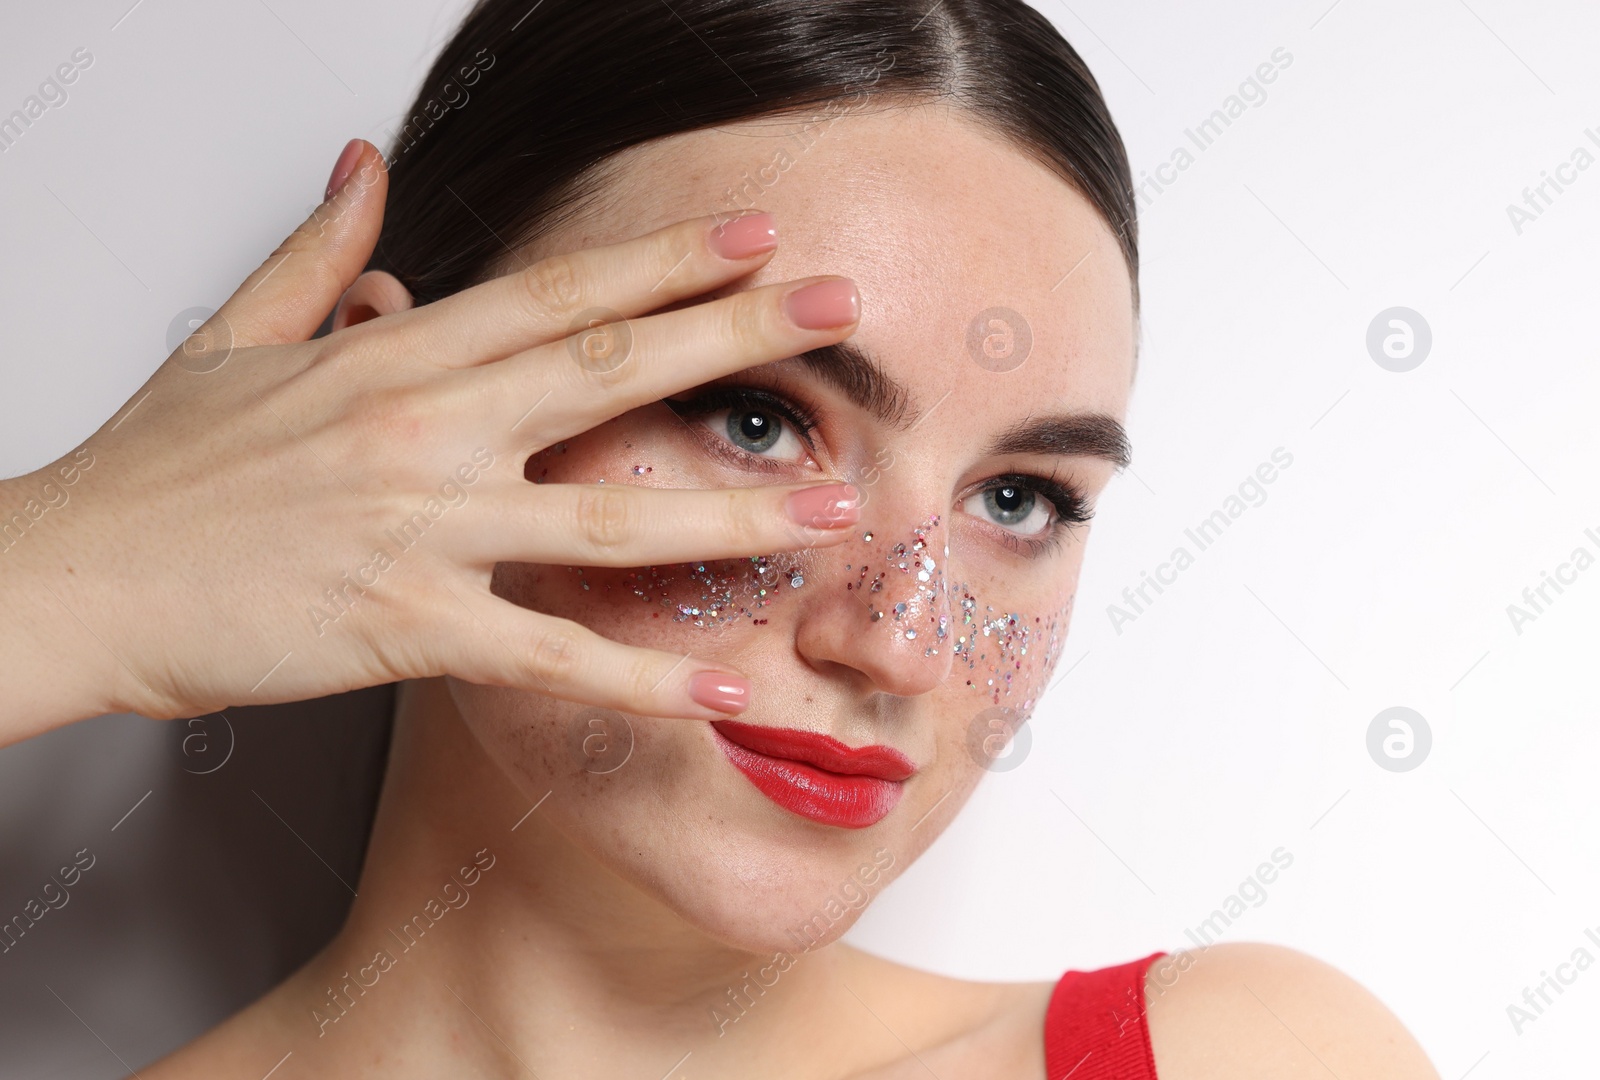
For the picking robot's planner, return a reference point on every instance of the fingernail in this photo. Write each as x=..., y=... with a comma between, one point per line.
x=825, y=506
x=720, y=691
x=824, y=305
x=744, y=236
x=343, y=167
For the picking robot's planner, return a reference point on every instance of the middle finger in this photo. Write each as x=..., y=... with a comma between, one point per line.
x=553, y=392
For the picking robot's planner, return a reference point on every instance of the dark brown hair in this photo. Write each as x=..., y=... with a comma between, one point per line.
x=530, y=96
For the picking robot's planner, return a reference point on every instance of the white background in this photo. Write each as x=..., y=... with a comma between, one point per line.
x=1230, y=717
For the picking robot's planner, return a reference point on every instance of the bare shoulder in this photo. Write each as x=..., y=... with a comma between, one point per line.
x=1241, y=1011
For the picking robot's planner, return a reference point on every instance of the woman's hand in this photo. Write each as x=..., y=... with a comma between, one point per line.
x=272, y=519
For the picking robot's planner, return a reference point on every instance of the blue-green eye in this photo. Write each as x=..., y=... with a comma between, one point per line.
x=753, y=431
x=757, y=432
x=1013, y=507
x=754, y=422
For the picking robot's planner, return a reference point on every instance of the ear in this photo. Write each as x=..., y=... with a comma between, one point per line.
x=374, y=293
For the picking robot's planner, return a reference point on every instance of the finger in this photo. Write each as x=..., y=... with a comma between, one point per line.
x=507, y=645
x=558, y=390
x=628, y=525
x=290, y=294
x=544, y=300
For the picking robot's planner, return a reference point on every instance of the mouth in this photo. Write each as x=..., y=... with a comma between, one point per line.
x=816, y=776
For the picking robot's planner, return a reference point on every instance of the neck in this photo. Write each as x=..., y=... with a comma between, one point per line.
x=481, y=931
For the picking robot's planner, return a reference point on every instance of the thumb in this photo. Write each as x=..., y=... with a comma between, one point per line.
x=290, y=294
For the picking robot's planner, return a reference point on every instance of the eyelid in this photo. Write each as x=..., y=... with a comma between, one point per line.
x=1070, y=504
x=1070, y=508
x=720, y=398
x=715, y=398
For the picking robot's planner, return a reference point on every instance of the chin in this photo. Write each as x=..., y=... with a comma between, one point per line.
x=760, y=862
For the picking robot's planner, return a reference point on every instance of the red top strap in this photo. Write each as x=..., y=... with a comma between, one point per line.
x=1095, y=1026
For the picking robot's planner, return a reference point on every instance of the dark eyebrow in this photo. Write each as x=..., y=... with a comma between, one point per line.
x=858, y=376
x=853, y=372
x=1092, y=434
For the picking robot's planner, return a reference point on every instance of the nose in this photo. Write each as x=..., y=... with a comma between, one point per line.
x=882, y=607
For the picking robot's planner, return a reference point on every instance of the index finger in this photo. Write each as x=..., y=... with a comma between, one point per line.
x=553, y=297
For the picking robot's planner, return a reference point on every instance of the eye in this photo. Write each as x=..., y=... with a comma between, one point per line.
x=756, y=431
x=1036, y=512
x=1014, y=507
x=753, y=422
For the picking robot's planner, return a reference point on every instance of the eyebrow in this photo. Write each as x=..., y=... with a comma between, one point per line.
x=857, y=375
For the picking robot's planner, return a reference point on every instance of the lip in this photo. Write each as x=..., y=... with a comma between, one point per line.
x=817, y=776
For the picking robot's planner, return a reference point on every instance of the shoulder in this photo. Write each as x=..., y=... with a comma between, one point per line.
x=1241, y=1011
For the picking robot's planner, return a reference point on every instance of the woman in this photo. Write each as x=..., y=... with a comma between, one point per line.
x=859, y=282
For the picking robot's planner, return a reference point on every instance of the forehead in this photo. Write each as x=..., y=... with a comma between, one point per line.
x=938, y=221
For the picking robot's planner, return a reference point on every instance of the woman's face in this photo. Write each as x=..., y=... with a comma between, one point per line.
x=979, y=417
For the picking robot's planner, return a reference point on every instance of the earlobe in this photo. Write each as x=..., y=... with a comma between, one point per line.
x=374, y=293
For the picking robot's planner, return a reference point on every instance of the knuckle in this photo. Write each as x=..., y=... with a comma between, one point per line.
x=343, y=349
x=554, y=285
x=554, y=658
x=394, y=415
x=749, y=322
x=743, y=517
x=666, y=254
x=604, y=518
x=641, y=682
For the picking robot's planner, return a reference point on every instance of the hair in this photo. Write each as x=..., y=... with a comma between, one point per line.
x=529, y=101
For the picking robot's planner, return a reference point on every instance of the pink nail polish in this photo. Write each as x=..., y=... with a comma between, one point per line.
x=343, y=167
x=720, y=691
x=826, y=506
x=824, y=305
x=744, y=236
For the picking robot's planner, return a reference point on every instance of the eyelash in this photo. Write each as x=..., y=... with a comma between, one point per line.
x=797, y=416
x=1071, y=510
x=1071, y=507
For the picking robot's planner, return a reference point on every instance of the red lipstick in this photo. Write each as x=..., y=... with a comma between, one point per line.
x=816, y=776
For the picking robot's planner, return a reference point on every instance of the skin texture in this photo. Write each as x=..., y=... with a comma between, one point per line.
x=621, y=906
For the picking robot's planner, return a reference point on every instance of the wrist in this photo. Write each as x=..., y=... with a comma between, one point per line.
x=53, y=669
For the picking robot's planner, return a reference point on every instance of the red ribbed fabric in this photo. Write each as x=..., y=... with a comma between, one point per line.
x=1095, y=1026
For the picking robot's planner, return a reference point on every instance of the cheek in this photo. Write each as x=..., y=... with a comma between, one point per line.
x=671, y=607
x=1004, y=655
x=1007, y=655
